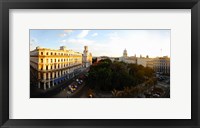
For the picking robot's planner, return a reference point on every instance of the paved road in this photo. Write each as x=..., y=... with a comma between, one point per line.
x=57, y=91
x=79, y=92
x=166, y=88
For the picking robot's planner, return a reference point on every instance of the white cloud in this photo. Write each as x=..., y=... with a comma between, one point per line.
x=95, y=34
x=77, y=41
x=65, y=33
x=83, y=34
x=62, y=41
x=138, y=42
x=68, y=31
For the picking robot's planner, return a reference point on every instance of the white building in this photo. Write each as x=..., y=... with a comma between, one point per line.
x=125, y=58
x=143, y=60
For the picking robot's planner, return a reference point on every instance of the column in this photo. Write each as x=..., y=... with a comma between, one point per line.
x=44, y=79
x=39, y=84
x=44, y=85
x=49, y=76
x=44, y=62
x=56, y=74
x=49, y=84
x=44, y=76
x=53, y=82
x=53, y=75
x=60, y=73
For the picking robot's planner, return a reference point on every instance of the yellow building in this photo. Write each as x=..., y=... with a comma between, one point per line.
x=50, y=67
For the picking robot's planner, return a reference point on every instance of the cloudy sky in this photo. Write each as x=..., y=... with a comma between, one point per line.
x=105, y=42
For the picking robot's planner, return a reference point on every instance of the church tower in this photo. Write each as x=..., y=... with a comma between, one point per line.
x=87, y=57
x=125, y=53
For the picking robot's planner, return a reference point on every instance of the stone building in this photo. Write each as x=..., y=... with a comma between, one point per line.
x=87, y=57
x=128, y=59
x=160, y=64
x=143, y=60
x=49, y=67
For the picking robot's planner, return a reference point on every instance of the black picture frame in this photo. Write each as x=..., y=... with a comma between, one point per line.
x=5, y=5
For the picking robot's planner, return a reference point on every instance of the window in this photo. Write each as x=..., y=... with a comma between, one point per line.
x=47, y=67
x=51, y=53
x=41, y=53
x=47, y=53
x=41, y=60
x=47, y=60
x=51, y=60
x=55, y=60
x=51, y=67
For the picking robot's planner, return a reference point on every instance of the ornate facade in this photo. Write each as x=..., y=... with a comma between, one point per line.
x=50, y=67
x=87, y=57
x=160, y=64
x=128, y=59
x=143, y=60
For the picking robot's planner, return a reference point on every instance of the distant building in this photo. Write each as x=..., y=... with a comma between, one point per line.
x=102, y=58
x=49, y=67
x=125, y=58
x=87, y=57
x=143, y=60
x=160, y=64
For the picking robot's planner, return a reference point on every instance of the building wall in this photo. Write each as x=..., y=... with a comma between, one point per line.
x=87, y=57
x=50, y=67
x=143, y=61
x=160, y=64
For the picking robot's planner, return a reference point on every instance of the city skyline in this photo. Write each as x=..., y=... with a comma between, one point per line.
x=111, y=43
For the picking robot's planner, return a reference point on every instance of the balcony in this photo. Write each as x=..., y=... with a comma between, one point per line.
x=52, y=70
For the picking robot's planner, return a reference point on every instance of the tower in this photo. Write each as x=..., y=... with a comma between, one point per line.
x=87, y=57
x=125, y=53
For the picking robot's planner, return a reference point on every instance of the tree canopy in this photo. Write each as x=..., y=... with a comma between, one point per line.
x=107, y=75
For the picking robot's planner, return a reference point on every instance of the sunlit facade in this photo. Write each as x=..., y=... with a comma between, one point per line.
x=50, y=67
x=87, y=57
x=143, y=60
x=160, y=64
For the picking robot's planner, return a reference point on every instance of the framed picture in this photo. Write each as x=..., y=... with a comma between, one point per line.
x=99, y=63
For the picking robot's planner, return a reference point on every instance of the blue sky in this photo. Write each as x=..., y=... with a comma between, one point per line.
x=105, y=42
